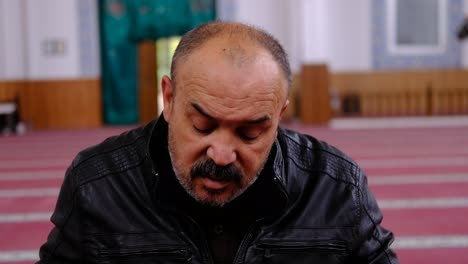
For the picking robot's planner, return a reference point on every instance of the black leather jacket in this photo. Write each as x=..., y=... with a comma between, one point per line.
x=109, y=209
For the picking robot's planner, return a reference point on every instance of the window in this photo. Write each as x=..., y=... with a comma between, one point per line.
x=416, y=27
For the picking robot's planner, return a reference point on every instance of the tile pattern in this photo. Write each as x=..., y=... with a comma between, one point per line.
x=383, y=60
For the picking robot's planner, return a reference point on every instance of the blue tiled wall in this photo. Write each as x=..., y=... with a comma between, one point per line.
x=383, y=60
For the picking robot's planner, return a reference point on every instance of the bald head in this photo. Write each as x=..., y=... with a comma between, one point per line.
x=241, y=36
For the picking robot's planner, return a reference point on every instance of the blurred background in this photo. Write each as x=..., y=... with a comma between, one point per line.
x=384, y=80
x=88, y=63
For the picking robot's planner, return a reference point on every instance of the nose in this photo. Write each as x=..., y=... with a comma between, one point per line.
x=222, y=150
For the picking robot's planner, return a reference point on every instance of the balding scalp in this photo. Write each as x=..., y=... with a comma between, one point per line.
x=195, y=38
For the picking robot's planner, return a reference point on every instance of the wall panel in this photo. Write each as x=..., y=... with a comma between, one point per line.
x=57, y=103
x=147, y=82
x=315, y=99
x=390, y=93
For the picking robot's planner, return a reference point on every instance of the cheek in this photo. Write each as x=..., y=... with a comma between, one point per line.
x=253, y=158
x=188, y=147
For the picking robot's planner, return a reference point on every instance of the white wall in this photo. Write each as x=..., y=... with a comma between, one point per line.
x=314, y=34
x=465, y=41
x=335, y=32
x=28, y=26
x=274, y=16
x=338, y=33
x=270, y=15
x=349, y=35
x=13, y=55
x=281, y=18
x=52, y=21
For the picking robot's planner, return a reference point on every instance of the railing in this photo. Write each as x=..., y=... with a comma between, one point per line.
x=410, y=93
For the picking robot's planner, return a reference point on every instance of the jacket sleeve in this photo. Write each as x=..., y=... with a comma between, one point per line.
x=374, y=240
x=62, y=245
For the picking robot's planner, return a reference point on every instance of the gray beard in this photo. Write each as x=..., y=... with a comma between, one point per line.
x=188, y=186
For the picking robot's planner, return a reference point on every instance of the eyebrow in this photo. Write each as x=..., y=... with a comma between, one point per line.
x=252, y=122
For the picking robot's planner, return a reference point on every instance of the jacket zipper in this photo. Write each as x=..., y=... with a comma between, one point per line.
x=332, y=246
x=170, y=252
x=250, y=233
x=205, y=251
x=246, y=241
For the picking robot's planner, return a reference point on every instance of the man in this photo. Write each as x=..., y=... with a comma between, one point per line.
x=214, y=179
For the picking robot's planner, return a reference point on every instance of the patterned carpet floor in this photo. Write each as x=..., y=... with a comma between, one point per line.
x=418, y=173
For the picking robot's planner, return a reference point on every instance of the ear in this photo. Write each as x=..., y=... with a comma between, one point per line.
x=284, y=107
x=168, y=96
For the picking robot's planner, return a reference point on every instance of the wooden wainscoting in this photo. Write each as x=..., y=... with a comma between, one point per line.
x=403, y=93
x=314, y=95
x=57, y=103
x=9, y=90
x=147, y=81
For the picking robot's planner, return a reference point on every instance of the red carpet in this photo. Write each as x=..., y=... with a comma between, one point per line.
x=419, y=176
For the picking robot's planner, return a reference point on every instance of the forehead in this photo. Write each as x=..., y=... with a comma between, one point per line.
x=231, y=60
x=232, y=79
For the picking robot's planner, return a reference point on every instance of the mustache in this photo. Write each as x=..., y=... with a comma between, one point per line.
x=209, y=169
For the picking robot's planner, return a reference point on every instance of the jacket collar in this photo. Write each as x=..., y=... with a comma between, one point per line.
x=285, y=170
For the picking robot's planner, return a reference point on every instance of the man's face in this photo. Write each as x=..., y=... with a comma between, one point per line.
x=223, y=116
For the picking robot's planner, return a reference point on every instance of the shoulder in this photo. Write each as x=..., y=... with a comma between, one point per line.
x=113, y=155
x=314, y=156
x=317, y=173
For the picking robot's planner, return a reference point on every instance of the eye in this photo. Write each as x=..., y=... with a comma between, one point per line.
x=203, y=129
x=249, y=134
x=247, y=138
x=202, y=125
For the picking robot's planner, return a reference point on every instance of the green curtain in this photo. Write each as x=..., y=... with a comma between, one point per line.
x=123, y=24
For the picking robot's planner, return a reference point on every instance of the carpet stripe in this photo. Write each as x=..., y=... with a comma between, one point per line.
x=416, y=170
x=400, y=122
x=38, y=192
x=398, y=179
x=21, y=175
x=413, y=162
x=420, y=191
x=449, y=202
x=25, y=218
x=19, y=255
x=35, y=163
x=33, y=169
x=430, y=242
x=23, y=184
x=433, y=256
